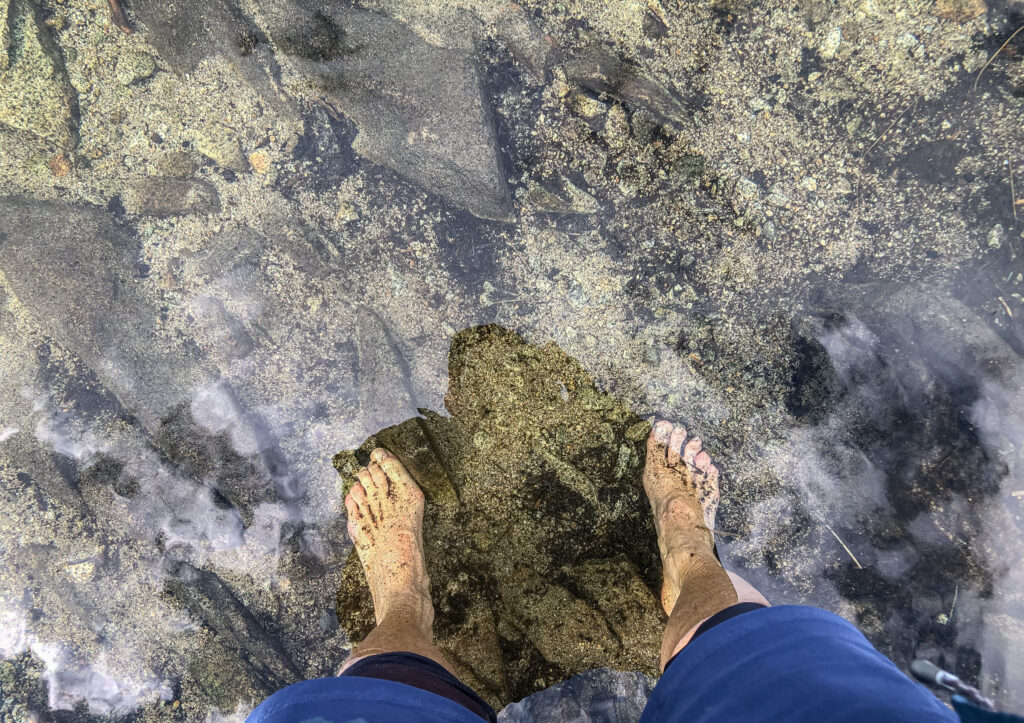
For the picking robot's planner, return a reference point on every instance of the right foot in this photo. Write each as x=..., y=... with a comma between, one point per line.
x=385, y=521
x=682, y=486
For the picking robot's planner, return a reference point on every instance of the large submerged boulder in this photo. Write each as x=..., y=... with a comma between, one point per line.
x=435, y=128
x=539, y=541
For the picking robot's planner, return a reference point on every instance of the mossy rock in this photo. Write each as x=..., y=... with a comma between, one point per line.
x=35, y=93
x=539, y=541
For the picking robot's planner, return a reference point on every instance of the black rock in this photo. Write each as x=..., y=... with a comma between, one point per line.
x=434, y=128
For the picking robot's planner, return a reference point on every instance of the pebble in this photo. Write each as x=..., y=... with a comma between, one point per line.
x=616, y=126
x=586, y=106
x=777, y=196
x=809, y=184
x=60, y=165
x=220, y=144
x=133, y=66
x=758, y=104
x=830, y=46
x=346, y=212
x=166, y=197
x=960, y=11
x=176, y=164
x=260, y=161
x=747, y=189
x=995, y=236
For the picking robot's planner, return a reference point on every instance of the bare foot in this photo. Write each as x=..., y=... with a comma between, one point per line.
x=385, y=520
x=682, y=486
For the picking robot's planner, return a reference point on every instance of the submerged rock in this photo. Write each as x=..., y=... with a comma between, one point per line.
x=133, y=66
x=162, y=197
x=249, y=645
x=69, y=267
x=599, y=71
x=539, y=541
x=185, y=33
x=434, y=128
x=596, y=696
x=5, y=33
x=384, y=392
x=35, y=93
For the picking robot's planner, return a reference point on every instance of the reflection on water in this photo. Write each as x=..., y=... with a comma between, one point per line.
x=242, y=238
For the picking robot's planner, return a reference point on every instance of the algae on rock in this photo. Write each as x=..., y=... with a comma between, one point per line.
x=539, y=541
x=5, y=32
x=35, y=93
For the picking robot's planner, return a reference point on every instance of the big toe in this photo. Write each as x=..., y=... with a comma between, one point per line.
x=380, y=454
x=396, y=471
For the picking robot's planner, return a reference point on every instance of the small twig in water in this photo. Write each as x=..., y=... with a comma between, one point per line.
x=995, y=54
x=953, y=606
x=73, y=563
x=1005, y=306
x=1013, y=193
x=505, y=301
x=729, y=534
x=118, y=16
x=848, y=550
x=941, y=462
x=880, y=137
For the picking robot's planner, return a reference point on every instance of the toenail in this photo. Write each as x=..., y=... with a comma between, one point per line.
x=662, y=430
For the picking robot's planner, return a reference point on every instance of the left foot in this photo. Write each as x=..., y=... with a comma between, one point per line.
x=385, y=520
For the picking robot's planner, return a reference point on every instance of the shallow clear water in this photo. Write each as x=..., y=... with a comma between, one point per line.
x=241, y=239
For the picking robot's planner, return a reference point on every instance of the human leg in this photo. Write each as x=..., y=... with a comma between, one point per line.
x=385, y=521
x=396, y=673
x=789, y=663
x=385, y=509
x=682, y=486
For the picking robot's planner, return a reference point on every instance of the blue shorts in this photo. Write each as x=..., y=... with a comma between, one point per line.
x=788, y=663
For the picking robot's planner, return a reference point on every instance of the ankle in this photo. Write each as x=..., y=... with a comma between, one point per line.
x=682, y=542
x=414, y=609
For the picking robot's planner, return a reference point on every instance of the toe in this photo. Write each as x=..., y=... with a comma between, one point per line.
x=367, y=481
x=712, y=473
x=691, y=450
x=396, y=472
x=657, y=442
x=354, y=514
x=675, y=444
x=380, y=454
x=380, y=480
x=358, y=496
x=702, y=461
